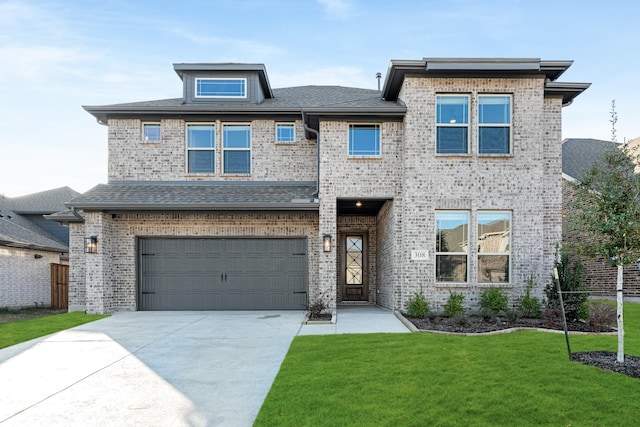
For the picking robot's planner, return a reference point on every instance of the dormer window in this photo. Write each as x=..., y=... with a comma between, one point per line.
x=221, y=88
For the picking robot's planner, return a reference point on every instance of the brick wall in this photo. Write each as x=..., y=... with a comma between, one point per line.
x=111, y=273
x=599, y=276
x=132, y=159
x=525, y=183
x=25, y=279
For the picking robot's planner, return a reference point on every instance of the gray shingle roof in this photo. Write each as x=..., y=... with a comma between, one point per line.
x=17, y=231
x=198, y=196
x=292, y=100
x=44, y=202
x=580, y=154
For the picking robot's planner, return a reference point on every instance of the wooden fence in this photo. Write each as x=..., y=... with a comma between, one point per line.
x=59, y=286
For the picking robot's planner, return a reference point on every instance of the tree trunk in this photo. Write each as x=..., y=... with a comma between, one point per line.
x=619, y=299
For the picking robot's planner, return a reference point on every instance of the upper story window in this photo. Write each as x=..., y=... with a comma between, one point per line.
x=494, y=124
x=151, y=132
x=364, y=140
x=494, y=246
x=452, y=124
x=221, y=88
x=452, y=246
x=236, y=145
x=285, y=132
x=201, y=145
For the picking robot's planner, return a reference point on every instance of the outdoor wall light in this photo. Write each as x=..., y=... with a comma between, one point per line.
x=91, y=245
x=326, y=243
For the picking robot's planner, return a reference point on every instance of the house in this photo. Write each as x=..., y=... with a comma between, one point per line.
x=29, y=244
x=578, y=156
x=237, y=195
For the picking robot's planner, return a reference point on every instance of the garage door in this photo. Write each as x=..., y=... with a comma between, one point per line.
x=222, y=274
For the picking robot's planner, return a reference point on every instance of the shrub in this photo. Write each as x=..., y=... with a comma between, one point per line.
x=602, y=316
x=461, y=319
x=418, y=306
x=530, y=306
x=552, y=314
x=570, y=275
x=493, y=301
x=317, y=308
x=513, y=315
x=454, y=304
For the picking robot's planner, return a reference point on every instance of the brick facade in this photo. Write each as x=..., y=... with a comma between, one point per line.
x=599, y=275
x=408, y=179
x=24, y=279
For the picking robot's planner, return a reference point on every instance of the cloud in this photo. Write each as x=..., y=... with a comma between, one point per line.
x=337, y=9
x=245, y=47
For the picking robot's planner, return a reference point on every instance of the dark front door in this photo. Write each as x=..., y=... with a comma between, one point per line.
x=354, y=267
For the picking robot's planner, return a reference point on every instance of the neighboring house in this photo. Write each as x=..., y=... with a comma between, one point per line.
x=240, y=196
x=578, y=156
x=29, y=244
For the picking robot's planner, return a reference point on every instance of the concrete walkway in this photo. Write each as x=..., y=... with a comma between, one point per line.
x=160, y=368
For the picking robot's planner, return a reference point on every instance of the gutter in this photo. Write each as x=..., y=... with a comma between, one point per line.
x=317, y=134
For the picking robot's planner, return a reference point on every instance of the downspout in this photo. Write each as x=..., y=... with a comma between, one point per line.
x=317, y=134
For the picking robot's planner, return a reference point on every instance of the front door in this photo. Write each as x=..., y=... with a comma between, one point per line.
x=354, y=267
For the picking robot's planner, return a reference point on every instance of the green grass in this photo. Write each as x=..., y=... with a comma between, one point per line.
x=517, y=379
x=17, y=332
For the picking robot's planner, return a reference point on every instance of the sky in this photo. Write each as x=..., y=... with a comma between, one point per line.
x=58, y=55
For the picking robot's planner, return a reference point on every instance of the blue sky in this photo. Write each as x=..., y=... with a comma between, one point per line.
x=58, y=55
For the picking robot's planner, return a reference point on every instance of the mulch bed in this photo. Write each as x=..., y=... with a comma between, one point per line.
x=605, y=360
x=7, y=316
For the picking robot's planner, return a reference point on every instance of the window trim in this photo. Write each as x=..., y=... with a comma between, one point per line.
x=224, y=149
x=143, y=137
x=467, y=125
x=198, y=79
x=292, y=125
x=364, y=156
x=495, y=125
x=187, y=148
x=467, y=253
x=509, y=253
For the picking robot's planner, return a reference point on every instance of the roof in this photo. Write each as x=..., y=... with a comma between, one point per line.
x=483, y=67
x=183, y=68
x=198, y=196
x=44, y=202
x=291, y=101
x=18, y=231
x=580, y=154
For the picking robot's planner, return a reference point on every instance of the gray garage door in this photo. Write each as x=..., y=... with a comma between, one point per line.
x=222, y=274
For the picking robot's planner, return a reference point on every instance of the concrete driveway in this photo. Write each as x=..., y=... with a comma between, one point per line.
x=148, y=368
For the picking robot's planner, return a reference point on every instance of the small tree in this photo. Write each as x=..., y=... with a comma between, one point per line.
x=608, y=212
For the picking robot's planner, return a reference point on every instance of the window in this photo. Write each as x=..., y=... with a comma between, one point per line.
x=236, y=143
x=285, y=132
x=452, y=124
x=452, y=245
x=221, y=88
x=201, y=148
x=364, y=140
x=151, y=132
x=494, y=124
x=494, y=246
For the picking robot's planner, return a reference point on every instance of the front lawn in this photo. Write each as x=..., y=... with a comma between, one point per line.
x=522, y=378
x=24, y=330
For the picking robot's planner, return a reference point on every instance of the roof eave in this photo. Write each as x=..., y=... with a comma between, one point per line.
x=32, y=246
x=568, y=91
x=121, y=207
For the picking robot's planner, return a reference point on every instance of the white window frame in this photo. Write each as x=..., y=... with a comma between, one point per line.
x=454, y=125
x=144, y=135
x=224, y=149
x=467, y=253
x=292, y=125
x=365, y=156
x=505, y=253
x=497, y=125
x=187, y=148
x=198, y=79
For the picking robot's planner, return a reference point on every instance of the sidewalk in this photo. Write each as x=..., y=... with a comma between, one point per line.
x=358, y=319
